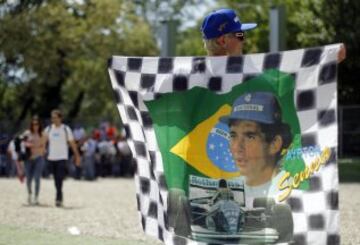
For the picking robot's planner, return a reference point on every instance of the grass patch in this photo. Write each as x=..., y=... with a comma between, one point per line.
x=11, y=235
x=349, y=170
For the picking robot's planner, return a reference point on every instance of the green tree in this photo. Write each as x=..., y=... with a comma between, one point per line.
x=335, y=21
x=156, y=12
x=54, y=54
x=189, y=42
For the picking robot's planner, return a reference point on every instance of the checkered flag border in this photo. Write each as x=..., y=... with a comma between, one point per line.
x=138, y=79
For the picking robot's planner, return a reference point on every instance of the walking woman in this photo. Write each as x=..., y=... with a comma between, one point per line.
x=34, y=161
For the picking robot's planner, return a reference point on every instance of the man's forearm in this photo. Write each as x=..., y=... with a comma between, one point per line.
x=74, y=148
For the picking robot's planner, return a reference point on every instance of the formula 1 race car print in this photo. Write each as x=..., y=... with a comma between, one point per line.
x=221, y=219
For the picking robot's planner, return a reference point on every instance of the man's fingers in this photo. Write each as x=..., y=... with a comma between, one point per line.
x=342, y=53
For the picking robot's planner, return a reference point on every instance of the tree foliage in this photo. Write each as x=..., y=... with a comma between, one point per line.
x=54, y=54
x=336, y=21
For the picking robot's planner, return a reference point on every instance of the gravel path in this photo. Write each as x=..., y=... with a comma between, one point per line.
x=106, y=208
x=350, y=214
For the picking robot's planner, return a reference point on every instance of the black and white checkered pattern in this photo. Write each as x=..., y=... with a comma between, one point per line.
x=138, y=79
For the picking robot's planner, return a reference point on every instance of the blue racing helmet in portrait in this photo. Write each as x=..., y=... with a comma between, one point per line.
x=261, y=107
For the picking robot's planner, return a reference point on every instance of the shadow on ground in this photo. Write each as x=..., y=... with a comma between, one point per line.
x=43, y=205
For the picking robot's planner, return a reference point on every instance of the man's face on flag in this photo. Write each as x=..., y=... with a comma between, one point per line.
x=249, y=149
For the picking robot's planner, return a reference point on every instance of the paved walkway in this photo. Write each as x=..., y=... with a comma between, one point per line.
x=106, y=208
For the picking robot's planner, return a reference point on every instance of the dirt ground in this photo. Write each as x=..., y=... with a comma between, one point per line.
x=107, y=208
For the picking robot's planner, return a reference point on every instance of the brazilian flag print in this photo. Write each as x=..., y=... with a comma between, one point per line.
x=194, y=142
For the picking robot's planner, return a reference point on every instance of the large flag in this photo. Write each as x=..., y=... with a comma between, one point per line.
x=233, y=150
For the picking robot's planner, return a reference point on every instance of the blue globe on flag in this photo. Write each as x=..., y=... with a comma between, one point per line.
x=218, y=150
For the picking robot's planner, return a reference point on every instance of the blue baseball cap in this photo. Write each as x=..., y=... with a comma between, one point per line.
x=221, y=22
x=262, y=107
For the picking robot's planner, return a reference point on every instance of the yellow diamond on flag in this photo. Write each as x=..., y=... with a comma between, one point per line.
x=192, y=148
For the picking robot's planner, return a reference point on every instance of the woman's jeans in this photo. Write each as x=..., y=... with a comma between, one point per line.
x=33, y=170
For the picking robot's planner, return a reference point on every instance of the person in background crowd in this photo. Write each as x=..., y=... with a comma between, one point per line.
x=125, y=156
x=34, y=158
x=79, y=133
x=15, y=149
x=107, y=153
x=89, y=149
x=96, y=134
x=111, y=132
x=79, y=137
x=98, y=165
x=102, y=130
x=59, y=136
x=4, y=161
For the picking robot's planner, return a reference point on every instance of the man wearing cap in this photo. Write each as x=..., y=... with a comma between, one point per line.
x=257, y=138
x=223, y=33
